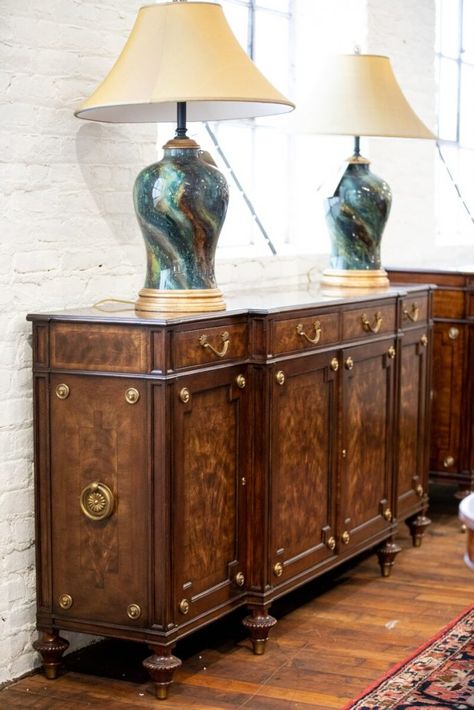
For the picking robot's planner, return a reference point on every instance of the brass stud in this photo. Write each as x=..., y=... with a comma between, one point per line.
x=391, y=352
x=334, y=364
x=240, y=579
x=65, y=601
x=424, y=340
x=278, y=569
x=184, y=606
x=132, y=395
x=240, y=381
x=331, y=543
x=387, y=514
x=280, y=377
x=134, y=611
x=345, y=537
x=62, y=391
x=184, y=395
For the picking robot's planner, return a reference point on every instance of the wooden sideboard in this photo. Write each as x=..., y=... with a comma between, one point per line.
x=452, y=423
x=188, y=466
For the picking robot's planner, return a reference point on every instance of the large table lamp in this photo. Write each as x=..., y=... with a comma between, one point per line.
x=181, y=62
x=358, y=95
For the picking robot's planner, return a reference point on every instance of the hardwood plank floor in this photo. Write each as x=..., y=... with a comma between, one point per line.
x=333, y=638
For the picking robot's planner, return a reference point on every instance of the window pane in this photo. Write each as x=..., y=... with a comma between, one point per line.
x=450, y=27
x=466, y=129
x=272, y=48
x=468, y=31
x=237, y=17
x=280, y=5
x=448, y=99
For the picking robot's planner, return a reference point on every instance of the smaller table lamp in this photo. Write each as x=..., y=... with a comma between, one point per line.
x=181, y=61
x=358, y=95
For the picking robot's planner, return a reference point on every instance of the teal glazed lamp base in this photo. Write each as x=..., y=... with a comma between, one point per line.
x=181, y=203
x=356, y=216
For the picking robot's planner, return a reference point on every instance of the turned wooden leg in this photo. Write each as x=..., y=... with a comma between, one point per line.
x=161, y=667
x=417, y=526
x=386, y=555
x=51, y=646
x=258, y=624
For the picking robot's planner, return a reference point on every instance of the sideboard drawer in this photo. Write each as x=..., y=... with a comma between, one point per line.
x=368, y=320
x=209, y=344
x=305, y=333
x=414, y=310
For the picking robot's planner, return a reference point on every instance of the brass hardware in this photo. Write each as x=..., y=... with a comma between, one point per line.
x=424, y=340
x=62, y=391
x=184, y=395
x=280, y=377
x=344, y=453
x=132, y=395
x=317, y=332
x=203, y=341
x=65, y=601
x=448, y=461
x=419, y=490
x=345, y=537
x=453, y=333
x=184, y=606
x=334, y=364
x=278, y=569
x=243, y=481
x=97, y=501
x=134, y=611
x=372, y=327
x=387, y=514
x=240, y=381
x=413, y=314
x=349, y=363
x=240, y=579
x=391, y=352
x=331, y=542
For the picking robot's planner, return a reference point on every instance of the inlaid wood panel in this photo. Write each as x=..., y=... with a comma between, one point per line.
x=304, y=333
x=98, y=437
x=378, y=319
x=209, y=344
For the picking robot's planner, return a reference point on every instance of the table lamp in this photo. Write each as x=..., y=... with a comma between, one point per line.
x=181, y=61
x=358, y=95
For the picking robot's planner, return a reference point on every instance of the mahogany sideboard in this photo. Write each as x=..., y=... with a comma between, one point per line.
x=452, y=423
x=187, y=466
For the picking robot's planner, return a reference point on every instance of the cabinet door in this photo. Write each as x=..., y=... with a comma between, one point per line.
x=100, y=565
x=448, y=382
x=211, y=438
x=411, y=453
x=367, y=389
x=302, y=412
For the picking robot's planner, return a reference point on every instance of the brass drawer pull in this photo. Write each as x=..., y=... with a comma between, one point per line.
x=331, y=543
x=349, y=363
x=448, y=461
x=453, y=333
x=240, y=579
x=62, y=391
x=334, y=364
x=317, y=332
x=424, y=340
x=372, y=327
x=134, y=611
x=132, y=395
x=184, y=395
x=280, y=377
x=391, y=352
x=345, y=537
x=278, y=569
x=240, y=381
x=203, y=342
x=419, y=490
x=97, y=501
x=184, y=606
x=65, y=601
x=387, y=514
x=413, y=314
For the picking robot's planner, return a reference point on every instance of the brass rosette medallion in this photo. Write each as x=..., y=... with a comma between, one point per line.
x=97, y=501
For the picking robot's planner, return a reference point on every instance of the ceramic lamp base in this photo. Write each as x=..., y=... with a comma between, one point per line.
x=356, y=279
x=153, y=300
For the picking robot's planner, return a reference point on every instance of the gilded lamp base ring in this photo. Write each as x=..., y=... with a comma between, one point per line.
x=172, y=301
x=358, y=279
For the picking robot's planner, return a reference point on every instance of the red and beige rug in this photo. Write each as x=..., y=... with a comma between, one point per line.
x=438, y=675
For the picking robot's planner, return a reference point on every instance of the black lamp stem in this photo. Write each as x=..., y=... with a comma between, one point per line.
x=356, y=145
x=181, y=120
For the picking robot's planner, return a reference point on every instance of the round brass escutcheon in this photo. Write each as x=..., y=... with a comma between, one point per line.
x=134, y=611
x=387, y=514
x=453, y=333
x=280, y=377
x=62, y=391
x=184, y=395
x=448, y=461
x=65, y=601
x=349, y=363
x=419, y=490
x=278, y=569
x=132, y=395
x=184, y=606
x=334, y=364
x=97, y=501
x=424, y=340
x=331, y=543
x=240, y=579
x=345, y=537
x=391, y=352
x=240, y=381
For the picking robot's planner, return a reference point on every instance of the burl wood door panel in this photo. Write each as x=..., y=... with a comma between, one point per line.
x=413, y=434
x=367, y=440
x=210, y=444
x=98, y=437
x=302, y=454
x=448, y=382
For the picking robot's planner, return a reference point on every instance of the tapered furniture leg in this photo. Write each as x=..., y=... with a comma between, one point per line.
x=386, y=555
x=258, y=624
x=161, y=667
x=51, y=646
x=417, y=526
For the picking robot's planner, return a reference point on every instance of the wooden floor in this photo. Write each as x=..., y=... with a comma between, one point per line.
x=333, y=638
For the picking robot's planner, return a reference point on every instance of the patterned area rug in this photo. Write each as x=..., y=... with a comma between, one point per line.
x=439, y=675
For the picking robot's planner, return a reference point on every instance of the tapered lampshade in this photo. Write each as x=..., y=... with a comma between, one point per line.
x=182, y=51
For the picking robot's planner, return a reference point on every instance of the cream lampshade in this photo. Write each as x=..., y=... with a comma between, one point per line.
x=358, y=95
x=181, y=61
